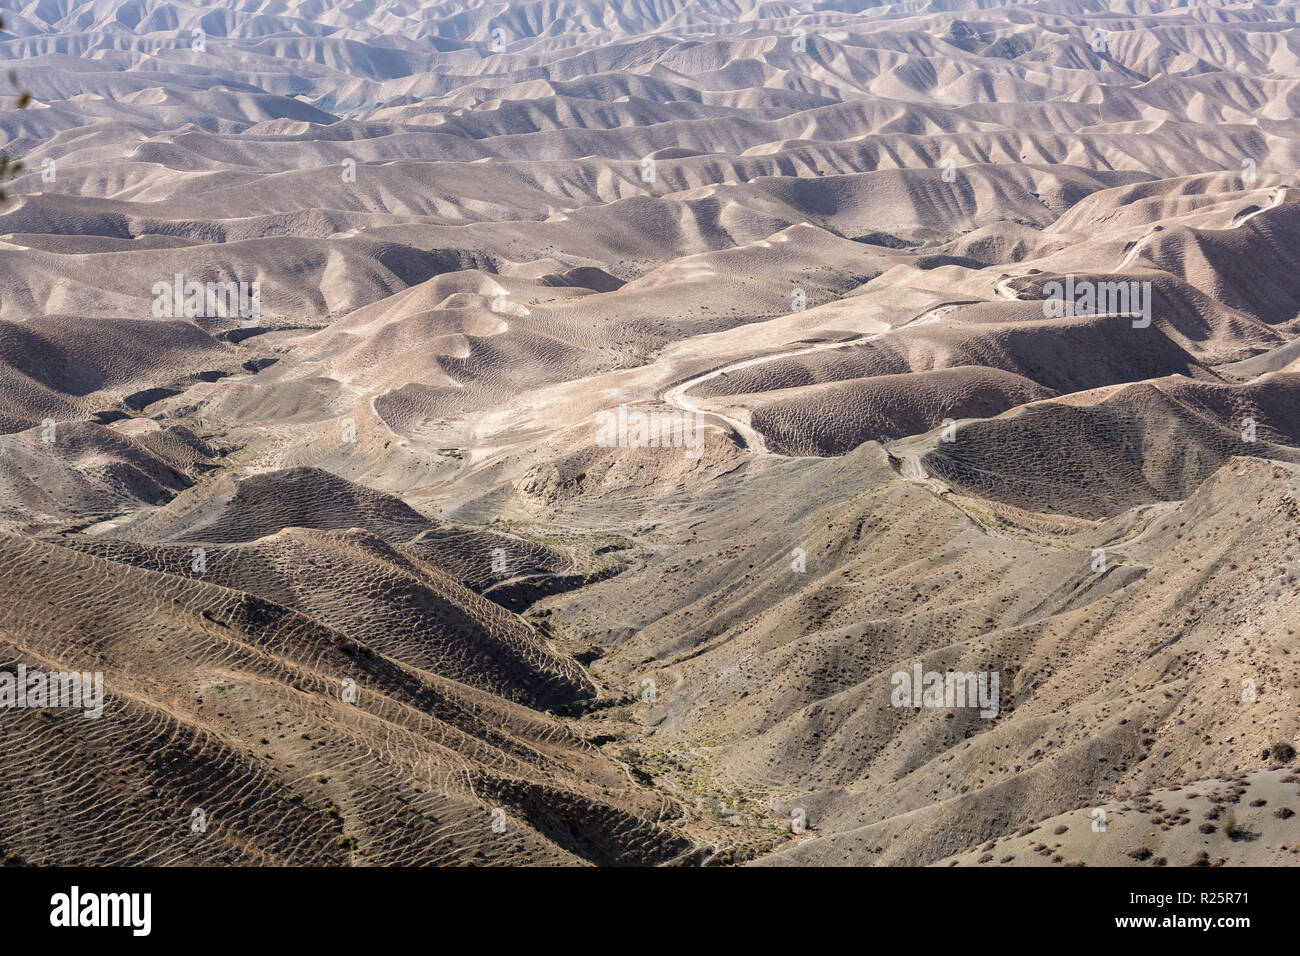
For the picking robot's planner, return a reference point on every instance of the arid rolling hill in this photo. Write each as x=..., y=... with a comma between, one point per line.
x=333, y=337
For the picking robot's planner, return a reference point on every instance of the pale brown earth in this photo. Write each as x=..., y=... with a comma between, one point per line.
x=651, y=655
x=1243, y=820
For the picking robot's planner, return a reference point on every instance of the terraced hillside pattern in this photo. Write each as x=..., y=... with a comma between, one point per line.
x=630, y=433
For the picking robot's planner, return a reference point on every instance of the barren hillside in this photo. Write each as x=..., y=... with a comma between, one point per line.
x=573, y=432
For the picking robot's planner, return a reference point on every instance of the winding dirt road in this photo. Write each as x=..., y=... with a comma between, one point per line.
x=676, y=396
